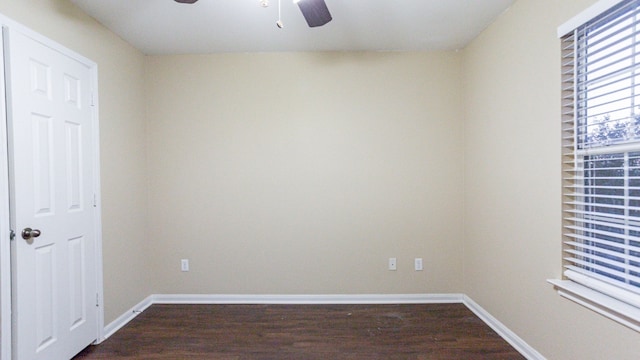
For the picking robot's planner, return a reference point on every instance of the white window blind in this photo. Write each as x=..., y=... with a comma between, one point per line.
x=601, y=153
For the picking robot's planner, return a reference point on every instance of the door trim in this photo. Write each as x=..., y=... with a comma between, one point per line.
x=5, y=219
x=5, y=246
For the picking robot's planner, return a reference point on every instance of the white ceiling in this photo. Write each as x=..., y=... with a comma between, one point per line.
x=208, y=26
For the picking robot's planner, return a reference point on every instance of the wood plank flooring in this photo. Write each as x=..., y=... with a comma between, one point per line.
x=433, y=331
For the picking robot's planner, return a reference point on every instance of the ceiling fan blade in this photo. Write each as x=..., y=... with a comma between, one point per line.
x=315, y=12
x=186, y=1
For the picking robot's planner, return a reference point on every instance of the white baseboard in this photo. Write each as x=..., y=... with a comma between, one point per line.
x=509, y=336
x=514, y=340
x=125, y=318
x=308, y=299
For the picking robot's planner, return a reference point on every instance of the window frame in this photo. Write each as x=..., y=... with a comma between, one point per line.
x=586, y=287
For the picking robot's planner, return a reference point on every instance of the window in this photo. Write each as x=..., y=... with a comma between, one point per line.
x=601, y=161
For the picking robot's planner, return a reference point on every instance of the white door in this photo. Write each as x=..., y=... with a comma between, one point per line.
x=54, y=291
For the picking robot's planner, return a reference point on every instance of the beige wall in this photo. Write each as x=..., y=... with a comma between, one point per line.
x=512, y=186
x=302, y=173
x=122, y=127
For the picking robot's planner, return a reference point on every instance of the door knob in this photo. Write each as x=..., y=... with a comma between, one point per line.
x=29, y=233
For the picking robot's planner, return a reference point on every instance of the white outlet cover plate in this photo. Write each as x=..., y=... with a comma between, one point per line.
x=418, y=264
x=392, y=264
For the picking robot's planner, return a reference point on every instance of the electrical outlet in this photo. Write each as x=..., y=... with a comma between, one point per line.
x=392, y=264
x=418, y=264
x=184, y=264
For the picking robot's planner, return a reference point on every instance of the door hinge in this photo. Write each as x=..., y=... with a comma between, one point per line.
x=92, y=99
x=97, y=300
x=95, y=200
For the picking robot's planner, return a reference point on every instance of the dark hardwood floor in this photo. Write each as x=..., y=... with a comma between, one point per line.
x=433, y=331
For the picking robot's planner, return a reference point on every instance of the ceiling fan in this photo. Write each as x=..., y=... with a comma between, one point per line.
x=315, y=12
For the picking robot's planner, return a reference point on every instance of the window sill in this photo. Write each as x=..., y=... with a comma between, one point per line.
x=616, y=310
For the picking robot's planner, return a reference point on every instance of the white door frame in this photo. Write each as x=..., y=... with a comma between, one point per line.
x=5, y=246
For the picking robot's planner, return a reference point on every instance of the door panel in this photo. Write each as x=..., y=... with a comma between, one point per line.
x=77, y=288
x=52, y=175
x=45, y=300
x=74, y=165
x=42, y=164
